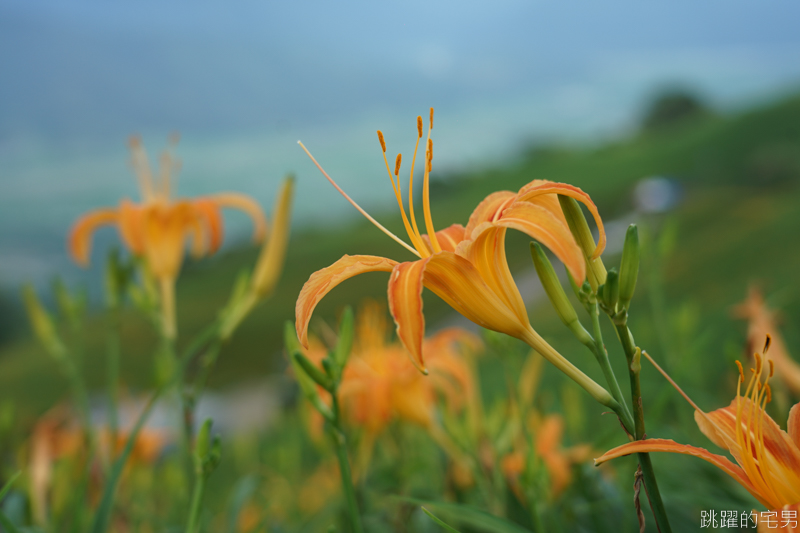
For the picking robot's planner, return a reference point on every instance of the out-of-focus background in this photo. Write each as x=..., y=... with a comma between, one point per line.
x=683, y=117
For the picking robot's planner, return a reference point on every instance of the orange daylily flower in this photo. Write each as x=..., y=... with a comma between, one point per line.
x=767, y=458
x=762, y=322
x=379, y=384
x=465, y=266
x=157, y=228
x=558, y=460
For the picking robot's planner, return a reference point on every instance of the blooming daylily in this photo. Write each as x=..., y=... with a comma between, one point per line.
x=157, y=228
x=767, y=458
x=465, y=266
x=380, y=384
x=761, y=321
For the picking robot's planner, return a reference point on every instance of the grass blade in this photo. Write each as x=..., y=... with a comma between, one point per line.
x=8, y=484
x=433, y=517
x=470, y=516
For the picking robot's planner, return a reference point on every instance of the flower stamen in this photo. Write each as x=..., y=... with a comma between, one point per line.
x=377, y=224
x=416, y=238
x=426, y=200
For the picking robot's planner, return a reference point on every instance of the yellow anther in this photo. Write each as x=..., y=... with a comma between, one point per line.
x=767, y=342
x=741, y=372
x=758, y=363
x=431, y=118
x=769, y=393
x=383, y=143
x=419, y=127
x=771, y=367
x=397, y=165
x=429, y=156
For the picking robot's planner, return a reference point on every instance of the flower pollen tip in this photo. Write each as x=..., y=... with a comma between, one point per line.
x=769, y=393
x=771, y=367
x=767, y=343
x=419, y=127
x=431, y=118
x=741, y=372
x=383, y=143
x=397, y=164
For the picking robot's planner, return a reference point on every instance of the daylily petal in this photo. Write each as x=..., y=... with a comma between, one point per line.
x=405, y=304
x=487, y=252
x=458, y=282
x=534, y=190
x=322, y=281
x=246, y=204
x=448, y=238
x=667, y=445
x=80, y=237
x=794, y=424
x=208, y=212
x=131, y=226
x=488, y=210
x=541, y=224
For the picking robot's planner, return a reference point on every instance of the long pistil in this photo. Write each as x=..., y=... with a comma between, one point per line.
x=426, y=200
x=358, y=207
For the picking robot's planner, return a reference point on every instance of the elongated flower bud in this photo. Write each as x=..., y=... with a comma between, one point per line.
x=596, y=271
x=312, y=371
x=345, y=342
x=555, y=292
x=610, y=292
x=270, y=263
x=629, y=268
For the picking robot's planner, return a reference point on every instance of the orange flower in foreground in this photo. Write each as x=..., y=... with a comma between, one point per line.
x=558, y=461
x=379, y=383
x=762, y=322
x=465, y=266
x=157, y=228
x=768, y=458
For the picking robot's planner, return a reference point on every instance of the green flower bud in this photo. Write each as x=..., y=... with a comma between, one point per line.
x=555, y=292
x=345, y=343
x=313, y=371
x=307, y=385
x=610, y=294
x=629, y=268
x=596, y=271
x=202, y=443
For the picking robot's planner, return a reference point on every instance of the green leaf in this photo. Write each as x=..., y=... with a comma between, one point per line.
x=470, y=516
x=438, y=521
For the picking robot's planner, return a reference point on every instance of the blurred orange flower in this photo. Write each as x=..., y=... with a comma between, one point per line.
x=548, y=434
x=768, y=458
x=379, y=384
x=157, y=228
x=466, y=267
x=762, y=322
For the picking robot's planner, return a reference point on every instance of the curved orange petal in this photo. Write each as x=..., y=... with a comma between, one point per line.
x=131, y=226
x=535, y=189
x=79, y=243
x=459, y=283
x=793, y=425
x=541, y=224
x=487, y=252
x=667, y=445
x=322, y=281
x=208, y=212
x=405, y=304
x=248, y=205
x=448, y=238
x=488, y=210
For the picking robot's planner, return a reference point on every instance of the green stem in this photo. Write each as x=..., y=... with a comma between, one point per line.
x=193, y=525
x=340, y=442
x=650, y=483
x=600, y=352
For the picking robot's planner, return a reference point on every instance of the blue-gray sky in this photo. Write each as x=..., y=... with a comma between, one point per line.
x=244, y=80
